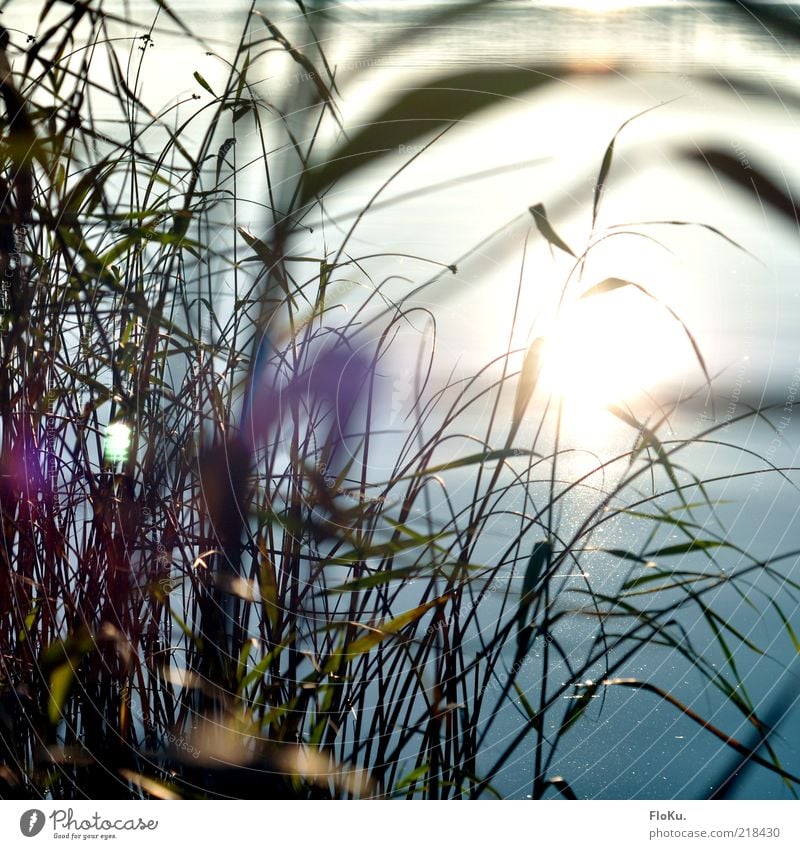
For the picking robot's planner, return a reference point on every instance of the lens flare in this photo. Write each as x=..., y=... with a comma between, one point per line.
x=117, y=442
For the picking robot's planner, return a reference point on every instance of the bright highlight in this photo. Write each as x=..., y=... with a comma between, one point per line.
x=117, y=442
x=607, y=349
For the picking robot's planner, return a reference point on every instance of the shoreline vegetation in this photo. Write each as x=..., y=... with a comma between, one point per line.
x=216, y=580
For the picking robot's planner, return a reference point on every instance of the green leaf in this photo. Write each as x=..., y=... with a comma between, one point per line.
x=704, y=723
x=60, y=684
x=387, y=549
x=530, y=713
x=375, y=636
x=600, y=183
x=788, y=627
x=244, y=656
x=260, y=669
x=268, y=588
x=241, y=112
x=313, y=74
x=669, y=578
x=242, y=78
x=413, y=777
x=538, y=564
x=621, y=553
x=73, y=647
x=649, y=439
x=472, y=460
x=605, y=165
x=30, y=621
x=578, y=706
x=544, y=226
x=200, y=79
x=224, y=148
x=271, y=260
x=89, y=187
x=377, y=579
x=686, y=548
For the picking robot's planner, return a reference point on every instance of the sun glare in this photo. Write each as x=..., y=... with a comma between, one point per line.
x=610, y=349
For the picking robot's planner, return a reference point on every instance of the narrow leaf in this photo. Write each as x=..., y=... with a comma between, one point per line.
x=600, y=183
x=612, y=283
x=605, y=165
x=788, y=627
x=200, y=79
x=268, y=587
x=389, y=629
x=607, y=285
x=537, y=563
x=686, y=548
x=578, y=706
x=544, y=226
x=720, y=735
x=61, y=679
x=528, y=378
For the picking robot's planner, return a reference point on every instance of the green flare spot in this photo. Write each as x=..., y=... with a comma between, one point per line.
x=117, y=442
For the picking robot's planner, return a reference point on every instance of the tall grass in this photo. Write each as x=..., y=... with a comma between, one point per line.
x=255, y=597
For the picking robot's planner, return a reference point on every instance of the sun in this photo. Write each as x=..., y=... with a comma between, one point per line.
x=612, y=349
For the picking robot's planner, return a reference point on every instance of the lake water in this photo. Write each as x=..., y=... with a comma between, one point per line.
x=474, y=188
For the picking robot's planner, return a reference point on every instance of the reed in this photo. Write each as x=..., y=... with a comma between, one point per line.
x=236, y=591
